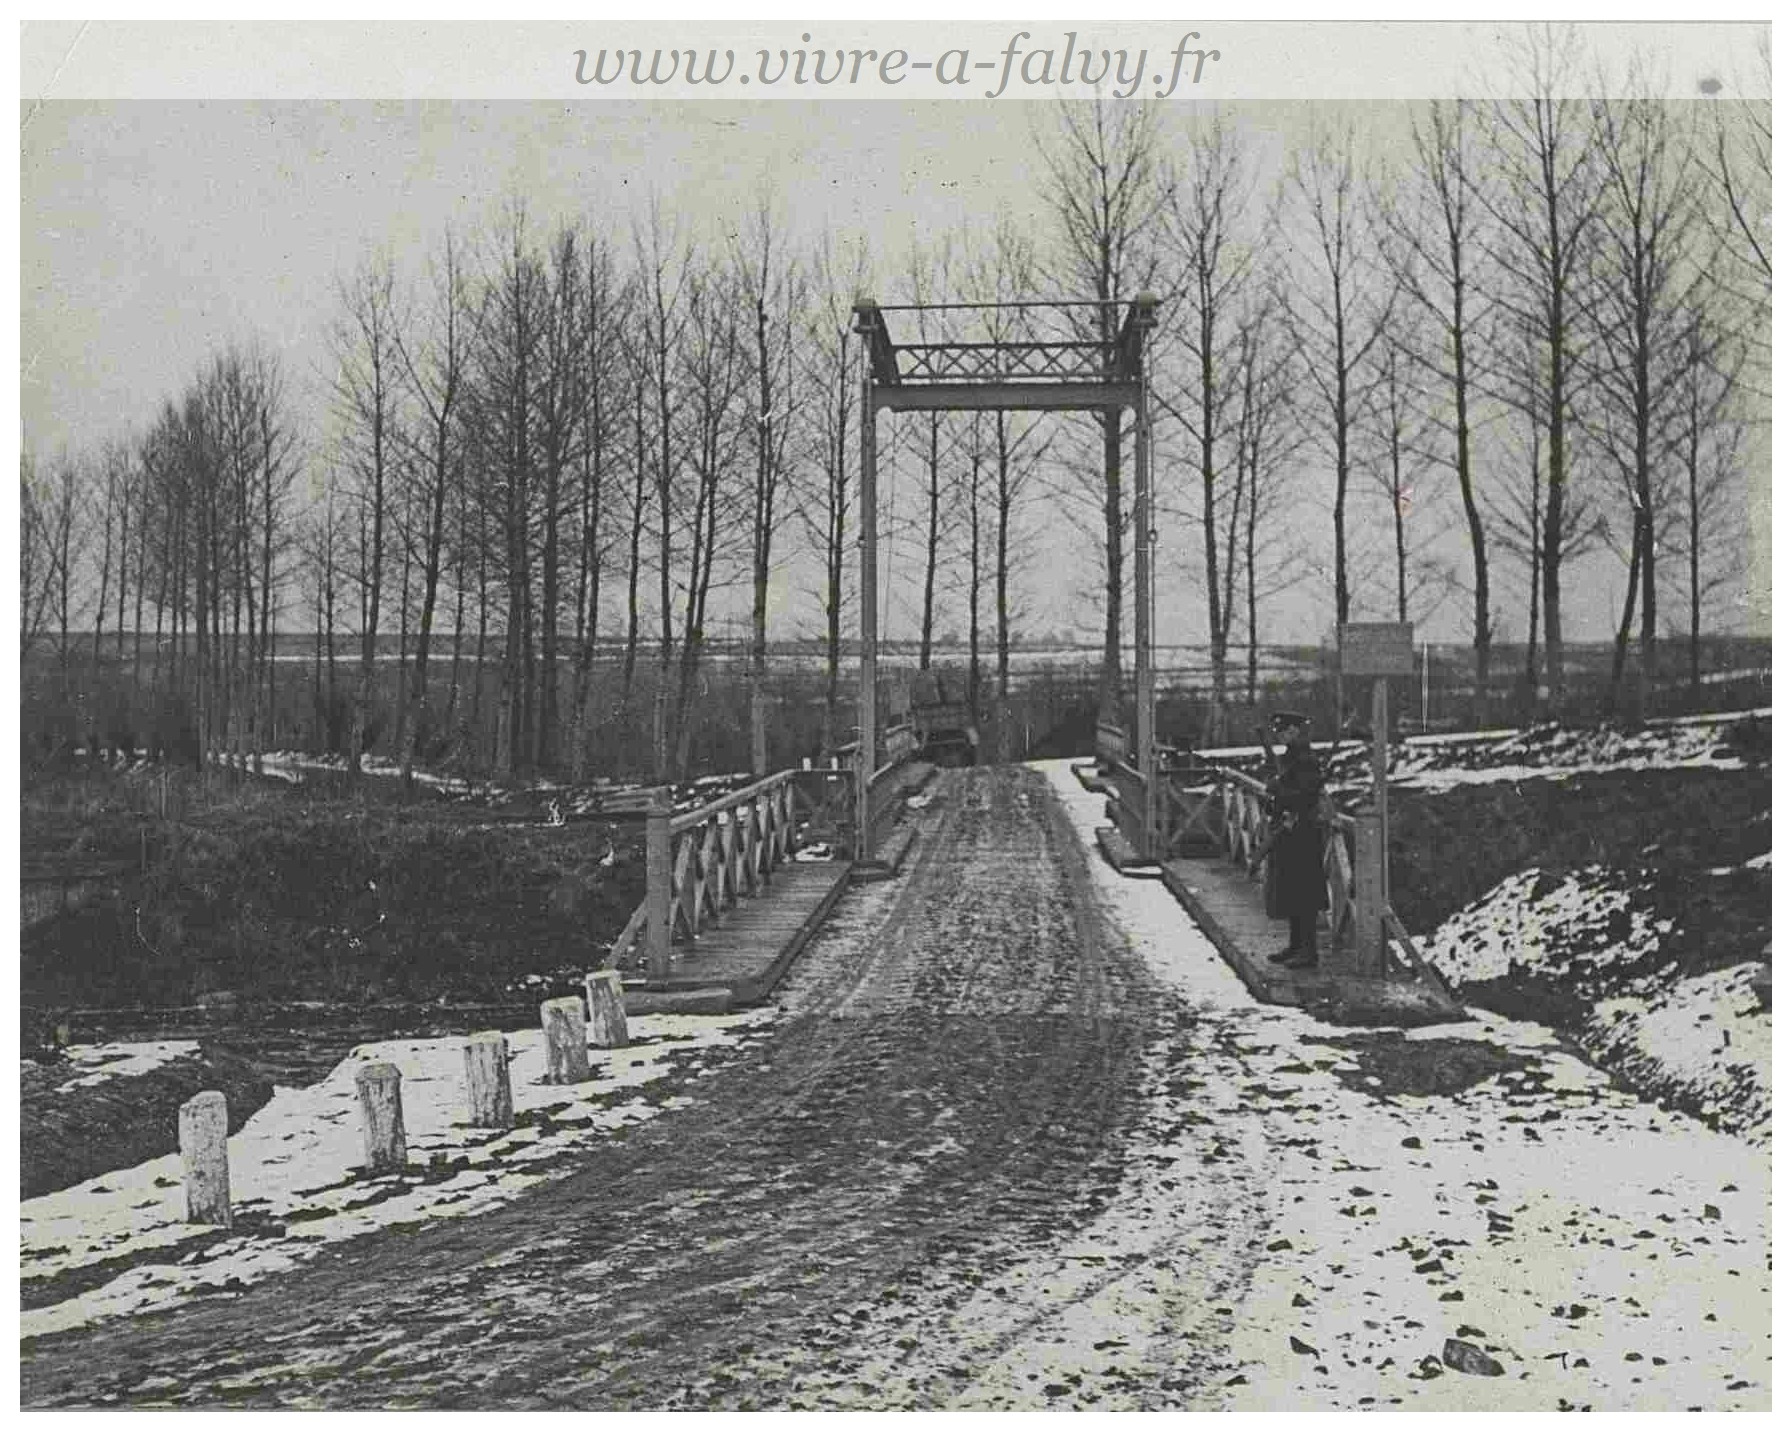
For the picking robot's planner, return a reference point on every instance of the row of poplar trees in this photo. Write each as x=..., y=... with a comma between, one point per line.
x=563, y=459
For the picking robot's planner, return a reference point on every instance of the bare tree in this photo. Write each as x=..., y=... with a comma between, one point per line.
x=1106, y=188
x=606, y=299
x=367, y=390
x=1641, y=274
x=1539, y=197
x=1208, y=222
x=1738, y=162
x=769, y=281
x=1438, y=253
x=716, y=364
x=1399, y=402
x=930, y=278
x=826, y=480
x=1336, y=309
x=1708, y=444
x=1008, y=270
x=665, y=266
x=1269, y=435
x=561, y=410
x=41, y=544
x=435, y=368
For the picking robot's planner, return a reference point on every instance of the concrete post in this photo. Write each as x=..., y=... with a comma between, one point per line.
x=563, y=1024
x=205, y=1158
x=609, y=1018
x=489, y=1105
x=659, y=885
x=382, y=1116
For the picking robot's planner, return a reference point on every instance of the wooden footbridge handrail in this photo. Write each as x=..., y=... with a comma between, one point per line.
x=1191, y=800
x=704, y=862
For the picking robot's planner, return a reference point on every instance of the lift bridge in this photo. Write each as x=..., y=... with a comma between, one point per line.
x=1060, y=355
x=1197, y=828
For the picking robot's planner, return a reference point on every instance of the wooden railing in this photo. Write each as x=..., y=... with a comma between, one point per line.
x=1246, y=803
x=1113, y=747
x=727, y=850
x=887, y=785
x=704, y=862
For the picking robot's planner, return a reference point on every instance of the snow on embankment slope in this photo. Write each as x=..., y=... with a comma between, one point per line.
x=1719, y=743
x=1703, y=1043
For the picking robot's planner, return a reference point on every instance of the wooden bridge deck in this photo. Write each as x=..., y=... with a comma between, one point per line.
x=756, y=941
x=1228, y=906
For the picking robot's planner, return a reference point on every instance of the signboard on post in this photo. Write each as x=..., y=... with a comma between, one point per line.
x=1375, y=648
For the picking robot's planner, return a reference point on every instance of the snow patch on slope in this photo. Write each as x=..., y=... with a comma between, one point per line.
x=102, y=1062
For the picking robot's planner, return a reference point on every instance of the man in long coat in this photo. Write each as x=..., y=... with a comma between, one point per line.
x=1296, y=886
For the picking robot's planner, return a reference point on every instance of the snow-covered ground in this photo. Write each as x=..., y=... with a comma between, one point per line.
x=295, y=1167
x=1703, y=1041
x=1582, y=925
x=99, y=1063
x=1605, y=1252
x=1556, y=754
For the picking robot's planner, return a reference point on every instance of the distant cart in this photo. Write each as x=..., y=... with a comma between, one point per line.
x=942, y=719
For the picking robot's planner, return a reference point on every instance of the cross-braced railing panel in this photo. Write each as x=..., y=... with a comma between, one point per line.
x=1093, y=343
x=719, y=855
x=1247, y=807
x=1005, y=362
x=727, y=852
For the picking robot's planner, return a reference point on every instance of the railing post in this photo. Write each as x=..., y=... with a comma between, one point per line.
x=659, y=885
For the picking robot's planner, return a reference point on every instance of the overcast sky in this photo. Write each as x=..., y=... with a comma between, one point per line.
x=154, y=232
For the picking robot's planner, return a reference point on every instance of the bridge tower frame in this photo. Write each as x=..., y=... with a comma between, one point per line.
x=1051, y=364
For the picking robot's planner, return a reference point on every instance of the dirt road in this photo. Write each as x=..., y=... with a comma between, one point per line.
x=890, y=1203
x=1021, y=1139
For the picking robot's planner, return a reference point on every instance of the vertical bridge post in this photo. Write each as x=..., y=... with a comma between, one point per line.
x=1142, y=318
x=864, y=323
x=659, y=885
x=1377, y=650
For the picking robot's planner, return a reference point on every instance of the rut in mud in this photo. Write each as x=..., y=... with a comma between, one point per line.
x=965, y=1056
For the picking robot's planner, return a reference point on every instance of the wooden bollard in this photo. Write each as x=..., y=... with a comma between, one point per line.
x=382, y=1116
x=205, y=1158
x=609, y=1017
x=489, y=1104
x=563, y=1024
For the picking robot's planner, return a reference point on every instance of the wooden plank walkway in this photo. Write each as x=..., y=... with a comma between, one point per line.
x=756, y=941
x=1228, y=906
